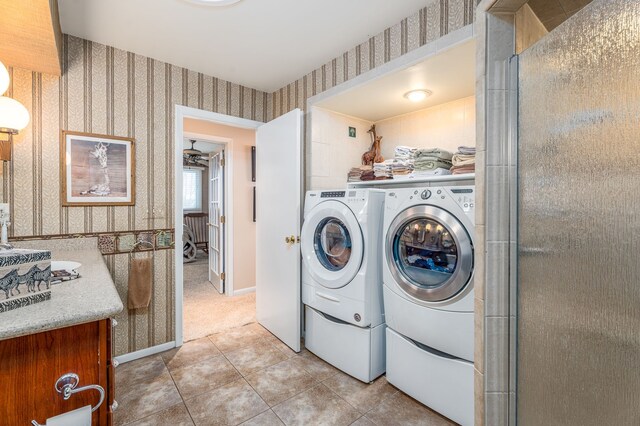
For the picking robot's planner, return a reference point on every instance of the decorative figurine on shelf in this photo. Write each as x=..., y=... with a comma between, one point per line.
x=100, y=153
x=373, y=155
x=4, y=222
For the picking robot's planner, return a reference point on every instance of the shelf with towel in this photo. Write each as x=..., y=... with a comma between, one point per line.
x=415, y=179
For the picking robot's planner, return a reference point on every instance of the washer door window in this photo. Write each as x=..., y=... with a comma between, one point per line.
x=429, y=253
x=332, y=244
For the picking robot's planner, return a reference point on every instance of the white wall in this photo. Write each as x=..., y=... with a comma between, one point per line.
x=332, y=152
x=444, y=126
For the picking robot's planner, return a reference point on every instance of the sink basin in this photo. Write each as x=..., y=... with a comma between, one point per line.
x=64, y=265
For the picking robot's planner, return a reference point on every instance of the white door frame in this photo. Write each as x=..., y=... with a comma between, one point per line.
x=181, y=113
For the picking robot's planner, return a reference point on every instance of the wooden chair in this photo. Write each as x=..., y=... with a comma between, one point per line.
x=197, y=223
x=189, y=250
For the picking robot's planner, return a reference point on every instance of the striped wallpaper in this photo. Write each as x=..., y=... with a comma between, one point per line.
x=437, y=19
x=110, y=91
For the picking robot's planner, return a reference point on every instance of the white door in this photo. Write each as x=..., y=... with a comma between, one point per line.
x=216, y=220
x=278, y=204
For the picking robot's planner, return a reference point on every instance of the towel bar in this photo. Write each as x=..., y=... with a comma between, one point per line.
x=66, y=385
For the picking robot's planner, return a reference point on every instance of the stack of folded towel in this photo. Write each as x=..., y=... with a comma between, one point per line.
x=401, y=167
x=355, y=174
x=464, y=161
x=431, y=161
x=383, y=170
x=405, y=153
x=403, y=159
x=367, y=175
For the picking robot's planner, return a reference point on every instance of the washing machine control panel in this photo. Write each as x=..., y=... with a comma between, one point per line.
x=332, y=194
x=465, y=198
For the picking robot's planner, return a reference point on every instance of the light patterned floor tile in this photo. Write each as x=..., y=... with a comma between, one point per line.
x=205, y=375
x=255, y=357
x=363, y=421
x=174, y=416
x=230, y=404
x=268, y=418
x=403, y=410
x=281, y=381
x=316, y=406
x=236, y=338
x=144, y=369
x=278, y=344
x=190, y=352
x=209, y=388
x=318, y=369
x=361, y=395
x=145, y=397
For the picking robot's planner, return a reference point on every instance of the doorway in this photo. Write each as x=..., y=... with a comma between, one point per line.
x=216, y=296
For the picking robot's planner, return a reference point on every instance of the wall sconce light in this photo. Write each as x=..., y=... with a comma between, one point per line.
x=13, y=116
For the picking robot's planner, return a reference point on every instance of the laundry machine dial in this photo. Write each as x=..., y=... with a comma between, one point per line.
x=425, y=194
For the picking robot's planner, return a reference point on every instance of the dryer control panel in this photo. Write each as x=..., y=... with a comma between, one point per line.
x=332, y=194
x=465, y=197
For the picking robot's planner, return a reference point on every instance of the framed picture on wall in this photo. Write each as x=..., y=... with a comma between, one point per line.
x=97, y=170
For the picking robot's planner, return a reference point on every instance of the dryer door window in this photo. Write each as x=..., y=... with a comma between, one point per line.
x=429, y=253
x=333, y=244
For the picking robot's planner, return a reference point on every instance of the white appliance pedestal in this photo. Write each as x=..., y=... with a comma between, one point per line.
x=358, y=351
x=439, y=381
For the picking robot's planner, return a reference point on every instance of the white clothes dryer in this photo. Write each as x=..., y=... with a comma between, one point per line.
x=428, y=296
x=342, y=279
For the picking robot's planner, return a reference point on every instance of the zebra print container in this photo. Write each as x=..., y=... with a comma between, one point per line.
x=25, y=278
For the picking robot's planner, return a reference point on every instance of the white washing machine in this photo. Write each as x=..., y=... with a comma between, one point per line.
x=428, y=296
x=342, y=279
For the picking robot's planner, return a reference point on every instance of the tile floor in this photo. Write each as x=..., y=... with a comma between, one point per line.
x=247, y=376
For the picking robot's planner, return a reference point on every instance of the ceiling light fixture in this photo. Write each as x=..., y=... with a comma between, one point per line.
x=214, y=2
x=418, y=95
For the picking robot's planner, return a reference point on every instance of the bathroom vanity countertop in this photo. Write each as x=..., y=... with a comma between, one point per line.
x=91, y=297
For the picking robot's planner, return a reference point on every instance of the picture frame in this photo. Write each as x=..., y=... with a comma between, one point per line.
x=97, y=170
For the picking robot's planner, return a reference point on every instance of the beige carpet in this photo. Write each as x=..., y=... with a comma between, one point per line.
x=205, y=310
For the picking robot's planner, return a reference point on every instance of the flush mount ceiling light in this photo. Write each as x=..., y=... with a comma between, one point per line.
x=213, y=2
x=418, y=95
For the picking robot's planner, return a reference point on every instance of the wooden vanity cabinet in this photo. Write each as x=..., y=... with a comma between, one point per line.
x=30, y=366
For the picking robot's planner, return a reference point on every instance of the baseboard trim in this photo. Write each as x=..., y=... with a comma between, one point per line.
x=244, y=291
x=132, y=356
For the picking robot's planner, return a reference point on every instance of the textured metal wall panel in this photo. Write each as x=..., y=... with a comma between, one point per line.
x=579, y=227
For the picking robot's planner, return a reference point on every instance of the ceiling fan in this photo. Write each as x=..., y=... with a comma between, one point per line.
x=194, y=157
